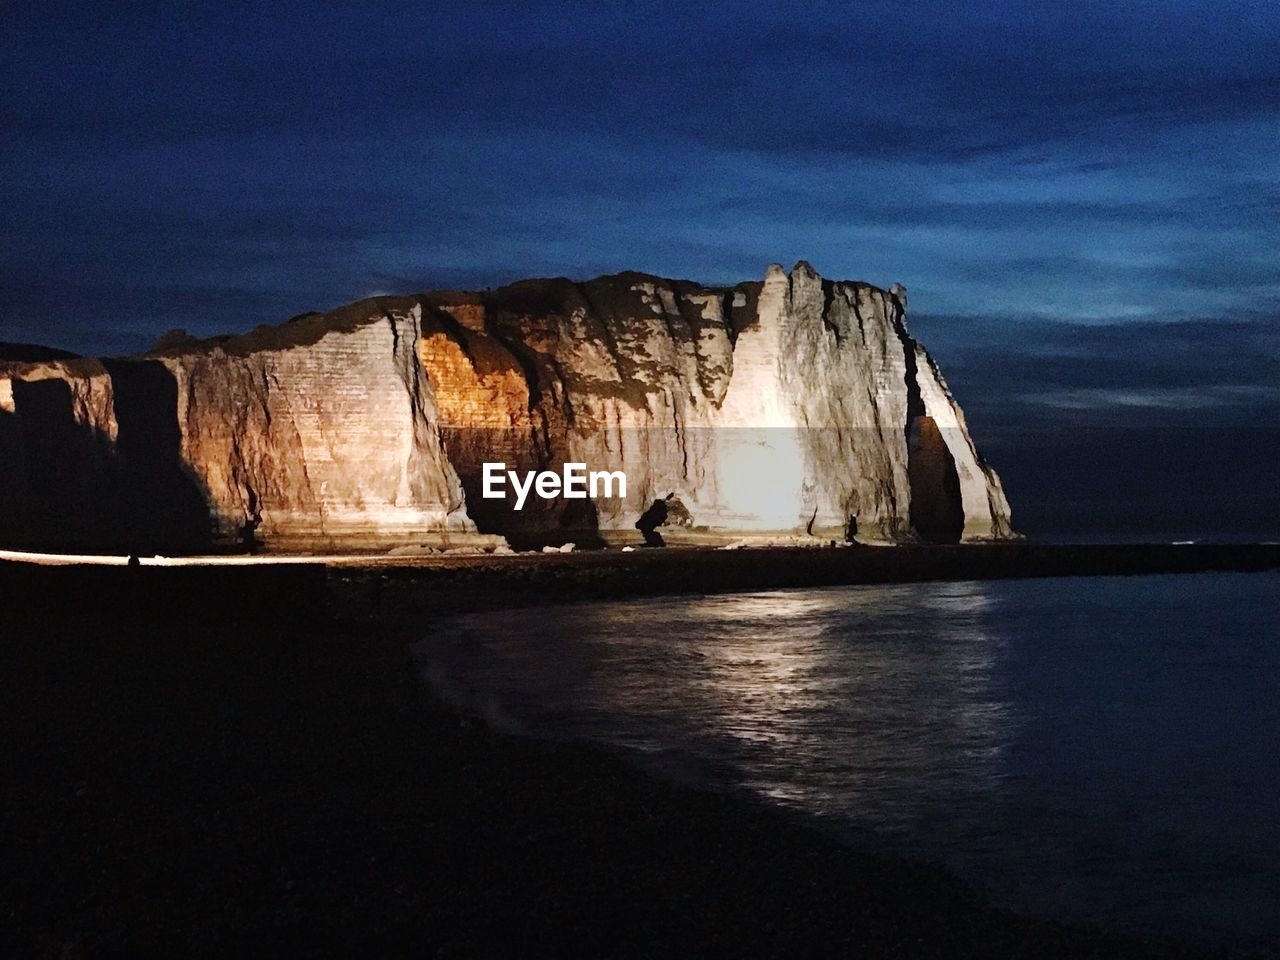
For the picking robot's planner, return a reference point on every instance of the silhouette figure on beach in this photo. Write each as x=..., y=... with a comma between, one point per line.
x=249, y=541
x=651, y=519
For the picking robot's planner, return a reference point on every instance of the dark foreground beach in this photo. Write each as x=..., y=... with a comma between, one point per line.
x=232, y=760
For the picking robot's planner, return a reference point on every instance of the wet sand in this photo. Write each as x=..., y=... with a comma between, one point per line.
x=218, y=761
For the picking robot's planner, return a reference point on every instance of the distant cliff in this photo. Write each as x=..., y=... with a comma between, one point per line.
x=794, y=404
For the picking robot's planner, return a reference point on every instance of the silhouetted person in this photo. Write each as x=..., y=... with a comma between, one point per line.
x=651, y=519
x=249, y=541
x=131, y=601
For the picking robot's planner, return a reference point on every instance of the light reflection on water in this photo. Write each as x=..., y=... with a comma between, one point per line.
x=1084, y=748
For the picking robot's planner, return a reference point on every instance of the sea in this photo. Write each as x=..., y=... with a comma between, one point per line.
x=1095, y=749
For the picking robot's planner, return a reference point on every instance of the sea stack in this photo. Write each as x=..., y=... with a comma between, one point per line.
x=793, y=405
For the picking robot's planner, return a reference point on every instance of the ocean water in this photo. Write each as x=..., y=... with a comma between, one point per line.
x=1103, y=749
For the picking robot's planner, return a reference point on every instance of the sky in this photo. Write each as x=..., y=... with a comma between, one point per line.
x=1083, y=198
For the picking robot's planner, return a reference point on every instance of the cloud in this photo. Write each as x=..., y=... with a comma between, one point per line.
x=1168, y=398
x=1016, y=376
x=927, y=82
x=1083, y=162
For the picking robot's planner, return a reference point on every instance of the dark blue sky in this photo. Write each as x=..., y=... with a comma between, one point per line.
x=1083, y=198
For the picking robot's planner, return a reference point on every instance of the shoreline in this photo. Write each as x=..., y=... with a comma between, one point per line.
x=219, y=760
x=461, y=582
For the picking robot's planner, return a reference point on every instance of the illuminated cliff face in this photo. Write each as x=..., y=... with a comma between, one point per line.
x=795, y=404
x=258, y=440
x=783, y=406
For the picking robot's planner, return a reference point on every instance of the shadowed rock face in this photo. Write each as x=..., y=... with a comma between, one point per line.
x=788, y=405
x=937, y=511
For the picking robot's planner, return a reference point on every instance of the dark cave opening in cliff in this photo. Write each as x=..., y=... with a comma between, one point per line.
x=937, y=511
x=540, y=522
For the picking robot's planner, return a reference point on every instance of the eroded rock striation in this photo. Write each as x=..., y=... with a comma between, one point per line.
x=791, y=405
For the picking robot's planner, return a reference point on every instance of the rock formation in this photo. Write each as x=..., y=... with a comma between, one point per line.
x=791, y=405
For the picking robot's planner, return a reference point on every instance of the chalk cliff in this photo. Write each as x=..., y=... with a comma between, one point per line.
x=794, y=404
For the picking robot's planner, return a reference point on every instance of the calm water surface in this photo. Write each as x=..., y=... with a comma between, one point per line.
x=1096, y=748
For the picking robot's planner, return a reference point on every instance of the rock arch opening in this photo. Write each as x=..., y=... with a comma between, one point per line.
x=937, y=512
